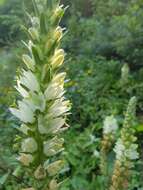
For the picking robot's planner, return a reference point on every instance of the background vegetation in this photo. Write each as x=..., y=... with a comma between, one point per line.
x=104, y=48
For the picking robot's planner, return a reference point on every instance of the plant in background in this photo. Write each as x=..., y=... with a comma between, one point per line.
x=126, y=151
x=109, y=130
x=43, y=108
x=117, y=176
x=125, y=73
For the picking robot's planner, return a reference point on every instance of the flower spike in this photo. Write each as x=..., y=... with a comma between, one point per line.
x=43, y=108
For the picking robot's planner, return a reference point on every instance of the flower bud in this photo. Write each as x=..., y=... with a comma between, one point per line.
x=28, y=62
x=54, y=167
x=53, y=185
x=48, y=45
x=25, y=159
x=34, y=33
x=58, y=61
x=125, y=72
x=29, y=145
x=24, y=129
x=40, y=173
x=54, y=91
x=58, y=13
x=49, y=152
x=114, y=177
x=53, y=146
x=59, y=52
x=59, y=78
x=58, y=34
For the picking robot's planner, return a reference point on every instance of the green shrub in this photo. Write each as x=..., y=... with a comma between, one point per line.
x=114, y=30
x=96, y=89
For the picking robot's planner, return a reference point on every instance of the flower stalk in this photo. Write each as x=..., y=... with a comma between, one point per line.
x=110, y=127
x=126, y=150
x=43, y=108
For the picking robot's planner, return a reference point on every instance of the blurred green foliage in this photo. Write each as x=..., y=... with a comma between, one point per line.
x=102, y=37
x=113, y=30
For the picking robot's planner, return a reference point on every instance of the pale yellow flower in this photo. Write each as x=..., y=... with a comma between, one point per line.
x=29, y=145
x=25, y=159
x=57, y=61
x=58, y=34
x=40, y=173
x=54, y=167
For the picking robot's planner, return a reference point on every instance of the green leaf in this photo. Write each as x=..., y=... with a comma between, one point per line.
x=17, y=171
x=52, y=48
x=35, y=7
x=49, y=4
x=4, y=178
x=36, y=55
x=2, y=2
x=139, y=128
x=43, y=23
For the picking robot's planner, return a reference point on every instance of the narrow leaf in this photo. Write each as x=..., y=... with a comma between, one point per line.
x=49, y=4
x=43, y=24
x=35, y=7
x=36, y=55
